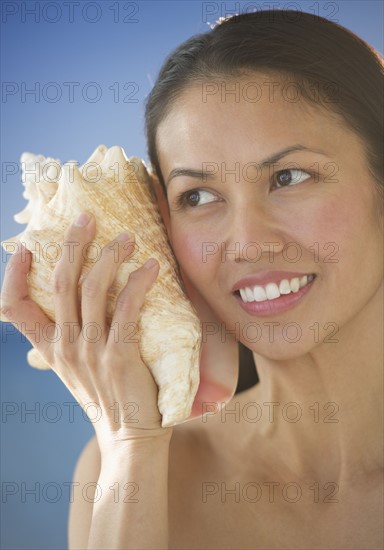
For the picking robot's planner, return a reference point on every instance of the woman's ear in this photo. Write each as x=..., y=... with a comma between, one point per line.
x=163, y=204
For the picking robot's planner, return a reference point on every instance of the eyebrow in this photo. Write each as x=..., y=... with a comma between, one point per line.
x=199, y=174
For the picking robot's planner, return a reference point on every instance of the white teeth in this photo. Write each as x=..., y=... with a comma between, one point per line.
x=294, y=284
x=243, y=295
x=303, y=281
x=284, y=287
x=272, y=291
x=260, y=294
x=249, y=295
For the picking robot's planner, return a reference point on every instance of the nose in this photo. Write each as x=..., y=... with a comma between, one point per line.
x=252, y=235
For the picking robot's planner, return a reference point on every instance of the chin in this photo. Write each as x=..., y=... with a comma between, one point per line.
x=279, y=349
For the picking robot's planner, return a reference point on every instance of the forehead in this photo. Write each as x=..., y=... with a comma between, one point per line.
x=241, y=119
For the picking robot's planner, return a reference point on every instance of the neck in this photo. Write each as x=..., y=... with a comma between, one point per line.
x=321, y=413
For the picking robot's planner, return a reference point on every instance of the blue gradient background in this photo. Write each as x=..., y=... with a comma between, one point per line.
x=36, y=449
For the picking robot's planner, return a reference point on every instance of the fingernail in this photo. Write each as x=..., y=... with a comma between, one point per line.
x=150, y=263
x=82, y=220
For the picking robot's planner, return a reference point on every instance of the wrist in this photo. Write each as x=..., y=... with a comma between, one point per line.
x=136, y=440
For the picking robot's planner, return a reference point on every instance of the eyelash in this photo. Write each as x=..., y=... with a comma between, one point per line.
x=181, y=199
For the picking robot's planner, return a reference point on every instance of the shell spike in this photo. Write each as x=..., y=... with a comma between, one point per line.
x=97, y=155
x=115, y=161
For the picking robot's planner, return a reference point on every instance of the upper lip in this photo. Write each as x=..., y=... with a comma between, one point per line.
x=264, y=277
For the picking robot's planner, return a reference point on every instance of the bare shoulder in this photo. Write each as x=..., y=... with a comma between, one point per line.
x=85, y=477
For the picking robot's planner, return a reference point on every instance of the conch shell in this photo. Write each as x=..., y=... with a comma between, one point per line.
x=118, y=191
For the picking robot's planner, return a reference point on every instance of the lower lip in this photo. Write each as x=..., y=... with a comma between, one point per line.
x=278, y=305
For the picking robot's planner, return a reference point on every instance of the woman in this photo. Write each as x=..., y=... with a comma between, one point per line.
x=266, y=136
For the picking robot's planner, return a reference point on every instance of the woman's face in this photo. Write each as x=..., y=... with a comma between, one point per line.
x=287, y=188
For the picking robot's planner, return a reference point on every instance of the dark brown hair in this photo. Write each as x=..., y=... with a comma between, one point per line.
x=313, y=52
x=310, y=50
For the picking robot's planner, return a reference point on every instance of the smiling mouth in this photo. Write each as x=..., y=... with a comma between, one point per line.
x=272, y=291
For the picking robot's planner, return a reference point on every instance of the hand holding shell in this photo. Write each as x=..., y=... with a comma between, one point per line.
x=118, y=192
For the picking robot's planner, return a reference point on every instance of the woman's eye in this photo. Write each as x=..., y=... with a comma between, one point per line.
x=195, y=197
x=284, y=178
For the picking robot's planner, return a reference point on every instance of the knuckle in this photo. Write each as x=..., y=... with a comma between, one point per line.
x=71, y=248
x=90, y=287
x=61, y=282
x=65, y=353
x=111, y=257
x=11, y=266
x=123, y=304
x=89, y=357
x=116, y=359
x=126, y=302
x=111, y=358
x=74, y=231
x=70, y=234
x=136, y=275
x=7, y=309
x=92, y=333
x=8, y=304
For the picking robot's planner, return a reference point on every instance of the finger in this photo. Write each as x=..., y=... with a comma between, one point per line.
x=20, y=309
x=67, y=273
x=94, y=289
x=124, y=324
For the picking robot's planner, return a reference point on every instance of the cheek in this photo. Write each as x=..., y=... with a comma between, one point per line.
x=344, y=240
x=188, y=247
x=345, y=225
x=323, y=228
